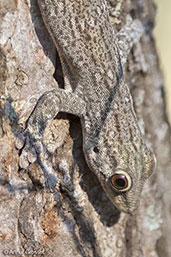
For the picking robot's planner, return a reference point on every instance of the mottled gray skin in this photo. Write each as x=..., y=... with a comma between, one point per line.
x=91, y=55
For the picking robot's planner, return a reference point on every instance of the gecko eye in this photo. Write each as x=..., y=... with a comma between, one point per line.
x=121, y=181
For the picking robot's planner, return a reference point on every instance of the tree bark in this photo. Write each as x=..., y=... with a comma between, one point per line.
x=66, y=213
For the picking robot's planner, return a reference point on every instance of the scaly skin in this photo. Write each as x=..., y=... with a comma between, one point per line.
x=95, y=90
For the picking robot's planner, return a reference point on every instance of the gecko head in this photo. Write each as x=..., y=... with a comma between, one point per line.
x=121, y=173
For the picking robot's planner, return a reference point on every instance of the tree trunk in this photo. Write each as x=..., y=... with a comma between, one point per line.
x=66, y=213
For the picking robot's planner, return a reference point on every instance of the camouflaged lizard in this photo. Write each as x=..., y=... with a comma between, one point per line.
x=92, y=57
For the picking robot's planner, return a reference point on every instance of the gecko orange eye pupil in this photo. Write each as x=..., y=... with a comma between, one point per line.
x=121, y=182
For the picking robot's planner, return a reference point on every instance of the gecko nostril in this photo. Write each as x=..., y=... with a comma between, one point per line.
x=95, y=149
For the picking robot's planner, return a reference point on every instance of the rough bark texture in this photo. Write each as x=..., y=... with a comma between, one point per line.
x=66, y=213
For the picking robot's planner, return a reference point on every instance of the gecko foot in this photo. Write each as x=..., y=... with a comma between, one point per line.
x=30, y=147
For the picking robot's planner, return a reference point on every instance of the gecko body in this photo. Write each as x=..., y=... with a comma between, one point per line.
x=95, y=90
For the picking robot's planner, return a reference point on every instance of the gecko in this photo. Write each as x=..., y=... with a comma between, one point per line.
x=92, y=56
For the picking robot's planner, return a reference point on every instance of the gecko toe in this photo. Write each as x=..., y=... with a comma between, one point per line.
x=32, y=155
x=19, y=141
x=23, y=160
x=38, y=146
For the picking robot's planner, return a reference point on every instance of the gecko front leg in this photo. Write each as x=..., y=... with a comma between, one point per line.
x=45, y=111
